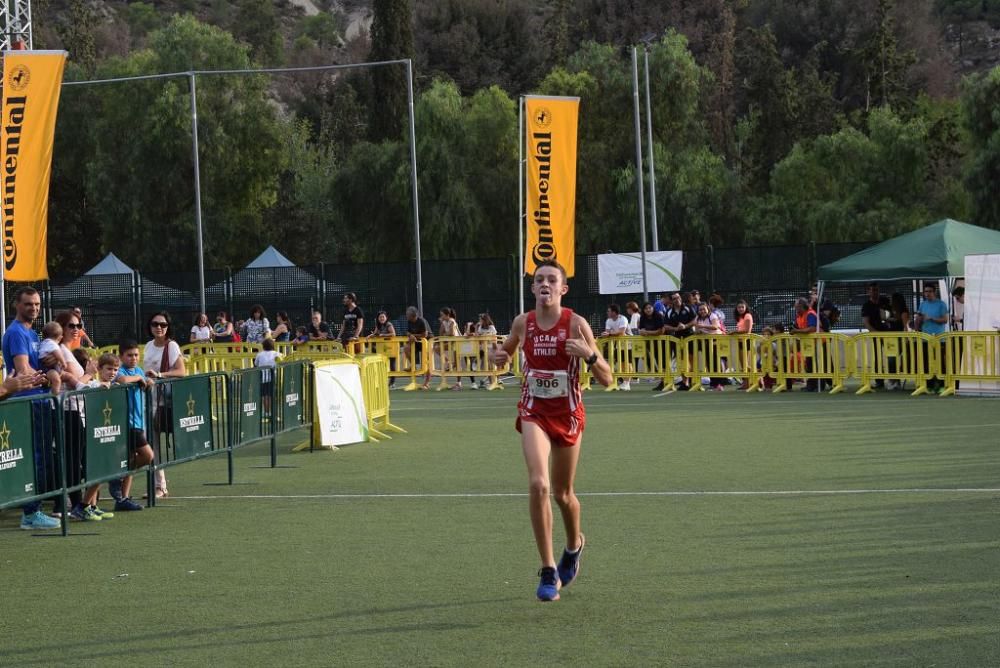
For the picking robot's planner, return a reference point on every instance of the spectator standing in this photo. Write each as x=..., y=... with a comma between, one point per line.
x=932, y=318
x=79, y=336
x=283, y=330
x=318, y=329
x=632, y=311
x=223, y=328
x=483, y=327
x=899, y=321
x=133, y=376
x=384, y=328
x=715, y=306
x=354, y=321
x=162, y=359
x=418, y=330
x=662, y=304
x=650, y=321
x=448, y=326
x=20, y=354
x=267, y=359
x=615, y=326
x=744, y=325
x=871, y=312
x=201, y=332
x=679, y=323
x=958, y=317
x=257, y=328
x=806, y=322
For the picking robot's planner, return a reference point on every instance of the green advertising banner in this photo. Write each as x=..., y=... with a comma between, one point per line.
x=192, y=419
x=107, y=428
x=249, y=406
x=290, y=394
x=17, y=460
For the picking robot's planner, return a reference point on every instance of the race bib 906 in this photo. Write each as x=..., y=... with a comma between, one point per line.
x=548, y=384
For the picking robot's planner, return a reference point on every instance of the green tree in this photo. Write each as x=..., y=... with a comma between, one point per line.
x=257, y=25
x=140, y=190
x=980, y=102
x=392, y=39
x=849, y=186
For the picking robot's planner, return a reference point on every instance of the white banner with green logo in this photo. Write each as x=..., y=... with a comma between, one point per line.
x=340, y=405
x=621, y=273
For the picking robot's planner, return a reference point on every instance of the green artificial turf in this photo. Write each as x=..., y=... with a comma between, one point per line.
x=418, y=550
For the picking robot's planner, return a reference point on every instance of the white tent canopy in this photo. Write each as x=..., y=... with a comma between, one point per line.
x=109, y=265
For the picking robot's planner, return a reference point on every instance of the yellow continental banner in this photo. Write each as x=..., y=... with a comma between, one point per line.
x=31, y=84
x=551, y=181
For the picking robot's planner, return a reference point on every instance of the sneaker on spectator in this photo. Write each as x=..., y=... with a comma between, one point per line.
x=38, y=520
x=659, y=387
x=103, y=514
x=90, y=516
x=625, y=386
x=78, y=513
x=482, y=384
x=548, y=587
x=127, y=504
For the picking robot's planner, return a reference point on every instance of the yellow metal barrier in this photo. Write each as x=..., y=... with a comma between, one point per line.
x=969, y=357
x=375, y=383
x=896, y=356
x=218, y=362
x=722, y=356
x=400, y=357
x=639, y=357
x=193, y=349
x=816, y=358
x=460, y=356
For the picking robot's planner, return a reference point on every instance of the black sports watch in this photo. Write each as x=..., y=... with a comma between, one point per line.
x=592, y=360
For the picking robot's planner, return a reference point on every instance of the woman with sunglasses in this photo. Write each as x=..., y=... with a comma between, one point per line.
x=162, y=359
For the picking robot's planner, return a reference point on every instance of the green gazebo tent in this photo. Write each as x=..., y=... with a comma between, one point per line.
x=934, y=252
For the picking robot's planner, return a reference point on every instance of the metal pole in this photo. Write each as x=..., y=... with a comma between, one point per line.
x=413, y=179
x=197, y=190
x=520, y=204
x=638, y=169
x=649, y=144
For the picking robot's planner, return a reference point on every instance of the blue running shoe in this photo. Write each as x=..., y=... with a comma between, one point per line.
x=38, y=520
x=126, y=505
x=569, y=565
x=548, y=588
x=115, y=489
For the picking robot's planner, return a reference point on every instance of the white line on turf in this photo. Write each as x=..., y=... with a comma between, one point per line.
x=487, y=495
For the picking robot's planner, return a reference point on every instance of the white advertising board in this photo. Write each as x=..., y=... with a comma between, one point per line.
x=621, y=273
x=982, y=314
x=340, y=405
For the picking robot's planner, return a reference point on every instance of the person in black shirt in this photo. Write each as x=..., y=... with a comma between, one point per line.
x=418, y=330
x=318, y=330
x=871, y=312
x=650, y=322
x=354, y=320
x=679, y=323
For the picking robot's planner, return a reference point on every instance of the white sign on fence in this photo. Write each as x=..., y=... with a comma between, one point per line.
x=620, y=273
x=340, y=405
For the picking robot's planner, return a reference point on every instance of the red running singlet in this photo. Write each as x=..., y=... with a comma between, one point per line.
x=550, y=395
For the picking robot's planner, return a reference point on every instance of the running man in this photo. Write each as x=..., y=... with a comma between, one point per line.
x=551, y=415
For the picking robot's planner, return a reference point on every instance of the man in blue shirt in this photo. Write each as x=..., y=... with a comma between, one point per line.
x=932, y=318
x=20, y=355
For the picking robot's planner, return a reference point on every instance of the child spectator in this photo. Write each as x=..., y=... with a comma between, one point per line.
x=267, y=359
x=52, y=333
x=131, y=374
x=301, y=335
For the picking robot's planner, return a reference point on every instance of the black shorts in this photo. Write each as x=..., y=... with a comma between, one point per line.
x=137, y=439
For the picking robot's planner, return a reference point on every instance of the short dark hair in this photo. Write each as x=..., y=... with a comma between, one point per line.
x=550, y=263
x=127, y=344
x=170, y=324
x=24, y=290
x=615, y=308
x=958, y=291
x=350, y=295
x=268, y=344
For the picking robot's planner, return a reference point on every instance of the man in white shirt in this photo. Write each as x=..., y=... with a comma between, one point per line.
x=617, y=325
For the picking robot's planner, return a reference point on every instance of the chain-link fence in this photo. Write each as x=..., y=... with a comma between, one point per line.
x=118, y=305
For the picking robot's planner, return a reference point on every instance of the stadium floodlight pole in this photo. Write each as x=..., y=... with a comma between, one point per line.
x=521, y=218
x=638, y=169
x=413, y=177
x=197, y=190
x=649, y=144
